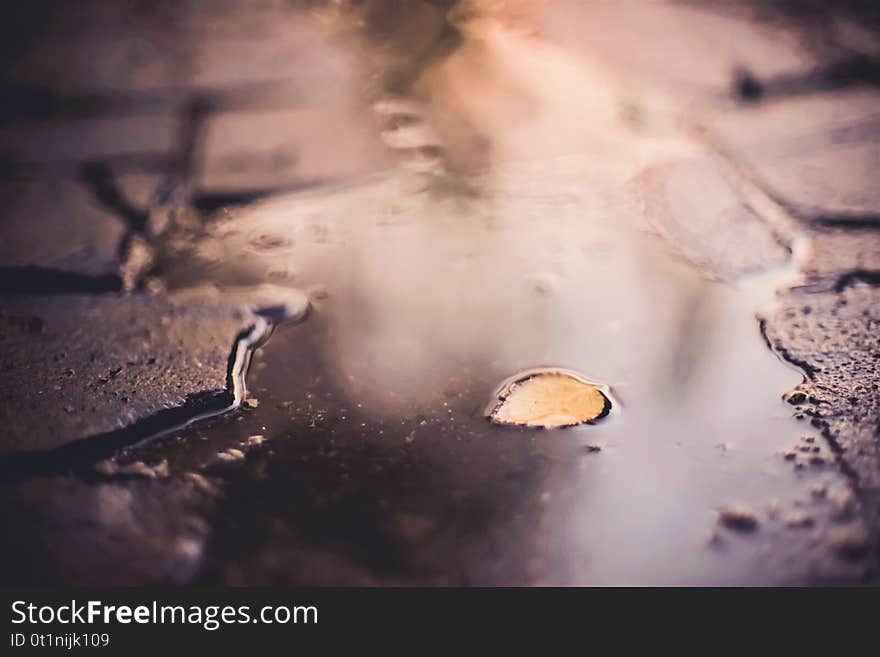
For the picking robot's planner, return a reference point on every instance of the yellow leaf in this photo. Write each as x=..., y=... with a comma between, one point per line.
x=549, y=398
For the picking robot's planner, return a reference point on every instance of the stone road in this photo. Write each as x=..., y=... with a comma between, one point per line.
x=127, y=129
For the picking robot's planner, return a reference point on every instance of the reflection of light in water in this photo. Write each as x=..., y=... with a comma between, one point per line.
x=539, y=259
x=422, y=293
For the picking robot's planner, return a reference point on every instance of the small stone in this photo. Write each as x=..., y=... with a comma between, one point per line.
x=188, y=548
x=796, y=398
x=251, y=402
x=799, y=520
x=255, y=440
x=161, y=469
x=819, y=490
x=410, y=438
x=201, y=482
x=738, y=518
x=109, y=468
x=231, y=454
x=844, y=503
x=106, y=467
x=154, y=285
x=851, y=543
x=137, y=468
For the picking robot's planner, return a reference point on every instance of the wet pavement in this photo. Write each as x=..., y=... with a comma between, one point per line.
x=264, y=271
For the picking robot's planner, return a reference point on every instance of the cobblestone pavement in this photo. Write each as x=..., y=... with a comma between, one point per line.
x=135, y=138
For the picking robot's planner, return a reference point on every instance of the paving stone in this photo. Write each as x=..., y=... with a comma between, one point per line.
x=57, y=225
x=699, y=211
x=77, y=366
x=818, y=154
x=265, y=150
x=91, y=46
x=279, y=49
x=68, y=142
x=834, y=338
x=687, y=50
x=838, y=256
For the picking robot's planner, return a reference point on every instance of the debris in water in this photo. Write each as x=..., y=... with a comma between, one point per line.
x=550, y=398
x=255, y=440
x=807, y=452
x=738, y=518
x=110, y=468
x=844, y=503
x=851, y=543
x=819, y=490
x=230, y=454
x=202, y=483
x=799, y=520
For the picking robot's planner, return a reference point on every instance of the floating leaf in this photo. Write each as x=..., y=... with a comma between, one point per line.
x=550, y=398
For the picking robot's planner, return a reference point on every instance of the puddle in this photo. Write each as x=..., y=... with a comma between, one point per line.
x=267, y=306
x=261, y=308
x=374, y=444
x=369, y=458
x=501, y=242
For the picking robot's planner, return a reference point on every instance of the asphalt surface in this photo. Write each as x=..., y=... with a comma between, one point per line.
x=151, y=158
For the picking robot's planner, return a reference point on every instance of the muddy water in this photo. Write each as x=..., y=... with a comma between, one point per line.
x=377, y=463
x=368, y=458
